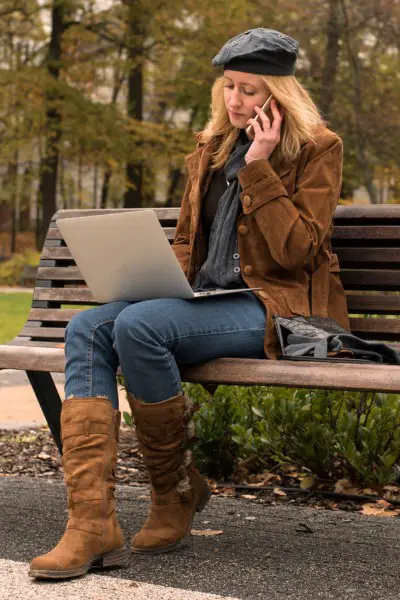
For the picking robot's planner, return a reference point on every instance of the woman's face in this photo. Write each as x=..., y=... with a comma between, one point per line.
x=242, y=92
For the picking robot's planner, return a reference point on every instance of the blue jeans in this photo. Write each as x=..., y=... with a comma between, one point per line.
x=149, y=338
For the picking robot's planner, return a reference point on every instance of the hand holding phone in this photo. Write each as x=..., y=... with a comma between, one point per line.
x=264, y=108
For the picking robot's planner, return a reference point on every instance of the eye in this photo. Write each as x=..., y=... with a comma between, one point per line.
x=247, y=93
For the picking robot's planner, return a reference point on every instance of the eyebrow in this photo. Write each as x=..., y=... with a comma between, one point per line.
x=241, y=82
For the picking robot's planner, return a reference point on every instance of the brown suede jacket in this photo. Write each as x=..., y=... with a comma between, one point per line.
x=284, y=230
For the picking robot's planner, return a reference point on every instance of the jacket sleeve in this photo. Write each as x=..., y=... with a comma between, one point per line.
x=181, y=243
x=295, y=228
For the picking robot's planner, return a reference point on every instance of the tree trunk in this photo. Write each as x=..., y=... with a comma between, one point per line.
x=12, y=177
x=105, y=187
x=361, y=142
x=49, y=162
x=137, y=17
x=175, y=174
x=95, y=184
x=62, y=184
x=334, y=32
x=134, y=169
x=118, y=80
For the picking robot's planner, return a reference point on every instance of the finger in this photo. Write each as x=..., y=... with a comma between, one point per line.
x=256, y=127
x=277, y=122
x=275, y=110
x=263, y=116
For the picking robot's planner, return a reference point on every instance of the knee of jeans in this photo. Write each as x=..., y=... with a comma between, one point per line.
x=134, y=326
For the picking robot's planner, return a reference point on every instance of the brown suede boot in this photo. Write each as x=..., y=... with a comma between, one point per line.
x=178, y=489
x=93, y=538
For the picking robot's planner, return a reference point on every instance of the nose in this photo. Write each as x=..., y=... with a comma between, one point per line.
x=234, y=101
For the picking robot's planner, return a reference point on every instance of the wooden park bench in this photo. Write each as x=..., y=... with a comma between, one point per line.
x=367, y=241
x=29, y=275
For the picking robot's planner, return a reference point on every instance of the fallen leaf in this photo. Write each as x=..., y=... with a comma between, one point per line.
x=392, y=488
x=308, y=482
x=369, y=492
x=378, y=509
x=279, y=492
x=206, y=532
x=248, y=496
x=43, y=456
x=341, y=486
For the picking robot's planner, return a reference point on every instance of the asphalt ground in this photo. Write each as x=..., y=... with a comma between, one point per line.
x=269, y=552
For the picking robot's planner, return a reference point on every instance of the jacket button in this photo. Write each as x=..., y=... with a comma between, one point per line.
x=248, y=270
x=243, y=229
x=263, y=294
x=247, y=201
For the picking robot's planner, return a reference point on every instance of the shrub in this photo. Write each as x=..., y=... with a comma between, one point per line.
x=11, y=270
x=334, y=434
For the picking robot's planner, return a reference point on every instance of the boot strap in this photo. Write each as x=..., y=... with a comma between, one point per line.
x=84, y=525
x=171, y=497
x=86, y=427
x=83, y=496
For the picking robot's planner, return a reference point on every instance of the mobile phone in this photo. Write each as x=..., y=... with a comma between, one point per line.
x=265, y=107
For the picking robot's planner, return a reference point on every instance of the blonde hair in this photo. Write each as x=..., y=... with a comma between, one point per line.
x=301, y=118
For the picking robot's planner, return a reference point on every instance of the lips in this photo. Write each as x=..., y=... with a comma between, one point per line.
x=236, y=114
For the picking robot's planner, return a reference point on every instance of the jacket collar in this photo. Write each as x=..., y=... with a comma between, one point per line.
x=200, y=159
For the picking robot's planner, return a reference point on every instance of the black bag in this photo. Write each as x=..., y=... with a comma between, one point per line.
x=322, y=339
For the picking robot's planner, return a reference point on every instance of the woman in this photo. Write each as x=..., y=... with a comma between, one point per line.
x=257, y=211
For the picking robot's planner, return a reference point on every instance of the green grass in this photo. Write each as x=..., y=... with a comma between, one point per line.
x=14, y=309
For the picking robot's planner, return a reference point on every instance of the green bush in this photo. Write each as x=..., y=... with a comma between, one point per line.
x=334, y=434
x=11, y=270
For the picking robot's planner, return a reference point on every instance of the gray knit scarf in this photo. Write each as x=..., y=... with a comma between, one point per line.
x=221, y=267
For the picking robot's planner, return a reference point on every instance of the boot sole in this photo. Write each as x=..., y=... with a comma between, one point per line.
x=115, y=558
x=163, y=549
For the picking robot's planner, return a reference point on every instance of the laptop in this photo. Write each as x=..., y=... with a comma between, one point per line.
x=126, y=256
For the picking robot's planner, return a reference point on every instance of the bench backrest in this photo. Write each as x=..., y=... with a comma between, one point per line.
x=366, y=239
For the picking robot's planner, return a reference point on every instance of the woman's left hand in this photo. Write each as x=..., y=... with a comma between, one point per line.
x=267, y=135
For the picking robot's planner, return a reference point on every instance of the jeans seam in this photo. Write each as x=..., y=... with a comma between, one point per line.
x=92, y=333
x=182, y=337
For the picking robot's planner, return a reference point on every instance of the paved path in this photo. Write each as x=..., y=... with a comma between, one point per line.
x=18, y=404
x=280, y=553
x=15, y=290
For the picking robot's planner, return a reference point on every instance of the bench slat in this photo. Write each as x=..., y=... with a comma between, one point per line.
x=67, y=294
x=363, y=279
x=355, y=212
x=62, y=315
x=163, y=214
x=351, y=278
x=366, y=232
x=57, y=333
x=25, y=343
x=344, y=232
x=379, y=303
x=55, y=234
x=376, y=329
x=346, y=255
x=60, y=273
x=231, y=371
x=382, y=256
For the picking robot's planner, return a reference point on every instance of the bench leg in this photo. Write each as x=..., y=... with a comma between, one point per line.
x=49, y=400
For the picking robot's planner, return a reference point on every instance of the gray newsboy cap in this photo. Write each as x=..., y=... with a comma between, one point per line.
x=261, y=51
